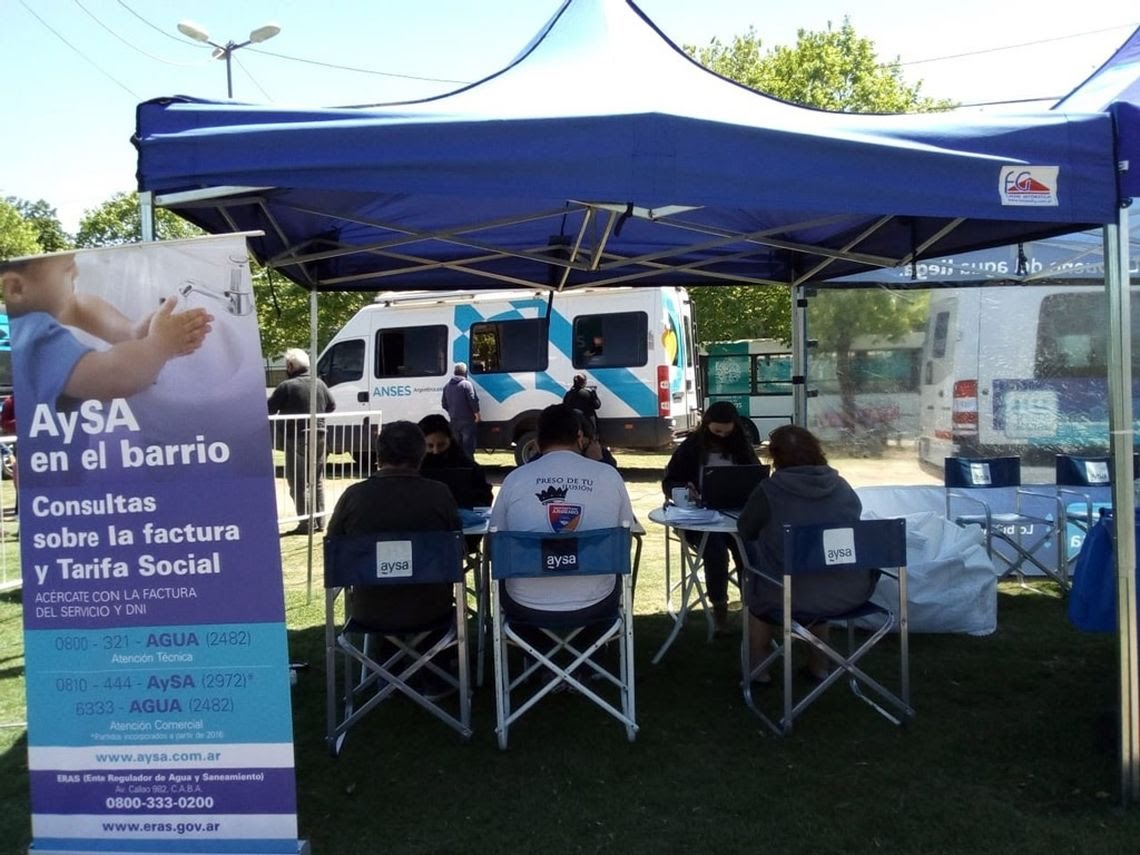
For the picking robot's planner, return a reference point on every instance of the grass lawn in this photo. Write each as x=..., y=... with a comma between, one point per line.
x=1013, y=750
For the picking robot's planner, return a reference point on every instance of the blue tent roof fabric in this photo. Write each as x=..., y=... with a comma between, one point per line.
x=605, y=155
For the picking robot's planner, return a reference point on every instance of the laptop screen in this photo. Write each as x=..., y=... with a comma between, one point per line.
x=728, y=487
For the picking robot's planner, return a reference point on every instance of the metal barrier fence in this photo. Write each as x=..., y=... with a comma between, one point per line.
x=345, y=448
x=9, y=526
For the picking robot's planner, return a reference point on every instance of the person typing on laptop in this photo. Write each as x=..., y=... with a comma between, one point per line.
x=445, y=461
x=719, y=441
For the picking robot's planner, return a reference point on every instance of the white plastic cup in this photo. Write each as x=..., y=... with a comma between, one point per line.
x=681, y=497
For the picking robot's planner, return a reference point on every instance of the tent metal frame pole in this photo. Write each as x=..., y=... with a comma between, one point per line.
x=146, y=215
x=311, y=445
x=1117, y=286
x=799, y=355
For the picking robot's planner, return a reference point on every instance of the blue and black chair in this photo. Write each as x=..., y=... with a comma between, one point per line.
x=555, y=650
x=381, y=654
x=1085, y=487
x=808, y=549
x=982, y=483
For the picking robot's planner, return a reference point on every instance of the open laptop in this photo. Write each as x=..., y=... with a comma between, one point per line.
x=727, y=488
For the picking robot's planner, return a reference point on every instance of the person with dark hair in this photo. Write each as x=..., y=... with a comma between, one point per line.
x=721, y=440
x=561, y=492
x=398, y=498
x=469, y=483
x=803, y=489
x=588, y=443
x=584, y=399
x=591, y=445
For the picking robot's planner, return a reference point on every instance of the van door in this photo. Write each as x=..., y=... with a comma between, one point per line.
x=341, y=367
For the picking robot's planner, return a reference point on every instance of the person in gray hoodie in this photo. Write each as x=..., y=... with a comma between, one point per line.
x=802, y=490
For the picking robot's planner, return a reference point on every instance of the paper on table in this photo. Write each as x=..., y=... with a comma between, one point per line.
x=691, y=515
x=474, y=516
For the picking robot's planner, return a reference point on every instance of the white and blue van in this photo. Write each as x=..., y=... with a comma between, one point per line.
x=522, y=348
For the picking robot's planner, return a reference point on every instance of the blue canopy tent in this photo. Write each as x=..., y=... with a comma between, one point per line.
x=603, y=155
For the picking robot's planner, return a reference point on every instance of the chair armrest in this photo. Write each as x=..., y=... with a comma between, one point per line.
x=1077, y=494
x=963, y=497
x=1050, y=496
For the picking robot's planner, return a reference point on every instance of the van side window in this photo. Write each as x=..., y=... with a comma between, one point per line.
x=411, y=351
x=772, y=374
x=614, y=340
x=1072, y=336
x=941, y=329
x=504, y=346
x=342, y=363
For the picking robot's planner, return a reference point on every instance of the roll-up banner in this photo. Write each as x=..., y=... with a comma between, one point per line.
x=154, y=623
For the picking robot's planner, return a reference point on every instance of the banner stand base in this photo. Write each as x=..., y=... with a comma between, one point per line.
x=303, y=848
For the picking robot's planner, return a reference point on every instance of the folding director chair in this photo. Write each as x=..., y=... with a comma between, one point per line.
x=867, y=544
x=562, y=656
x=968, y=480
x=1083, y=484
x=380, y=658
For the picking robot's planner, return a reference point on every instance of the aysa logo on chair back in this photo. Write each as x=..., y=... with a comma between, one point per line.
x=559, y=556
x=1096, y=471
x=839, y=546
x=393, y=559
x=980, y=474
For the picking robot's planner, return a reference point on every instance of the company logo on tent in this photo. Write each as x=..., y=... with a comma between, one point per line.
x=1028, y=185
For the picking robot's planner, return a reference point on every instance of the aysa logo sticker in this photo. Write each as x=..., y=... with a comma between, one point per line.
x=839, y=546
x=1032, y=186
x=394, y=559
x=559, y=556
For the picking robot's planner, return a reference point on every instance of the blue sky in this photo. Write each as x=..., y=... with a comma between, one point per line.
x=74, y=70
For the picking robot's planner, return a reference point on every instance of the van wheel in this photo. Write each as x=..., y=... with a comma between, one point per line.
x=526, y=447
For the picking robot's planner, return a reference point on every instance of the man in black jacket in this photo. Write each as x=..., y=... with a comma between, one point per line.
x=292, y=397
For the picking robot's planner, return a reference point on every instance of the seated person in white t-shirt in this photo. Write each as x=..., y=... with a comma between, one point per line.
x=561, y=491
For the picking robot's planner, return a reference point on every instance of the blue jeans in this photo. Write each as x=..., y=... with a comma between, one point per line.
x=465, y=433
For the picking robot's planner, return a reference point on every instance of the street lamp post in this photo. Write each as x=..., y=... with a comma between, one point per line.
x=261, y=34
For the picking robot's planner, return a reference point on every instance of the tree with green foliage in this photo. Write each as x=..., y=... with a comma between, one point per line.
x=283, y=312
x=730, y=312
x=282, y=307
x=17, y=236
x=44, y=219
x=119, y=220
x=832, y=69
x=837, y=317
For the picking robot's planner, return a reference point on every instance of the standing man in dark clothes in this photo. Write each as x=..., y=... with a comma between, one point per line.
x=291, y=397
x=461, y=403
